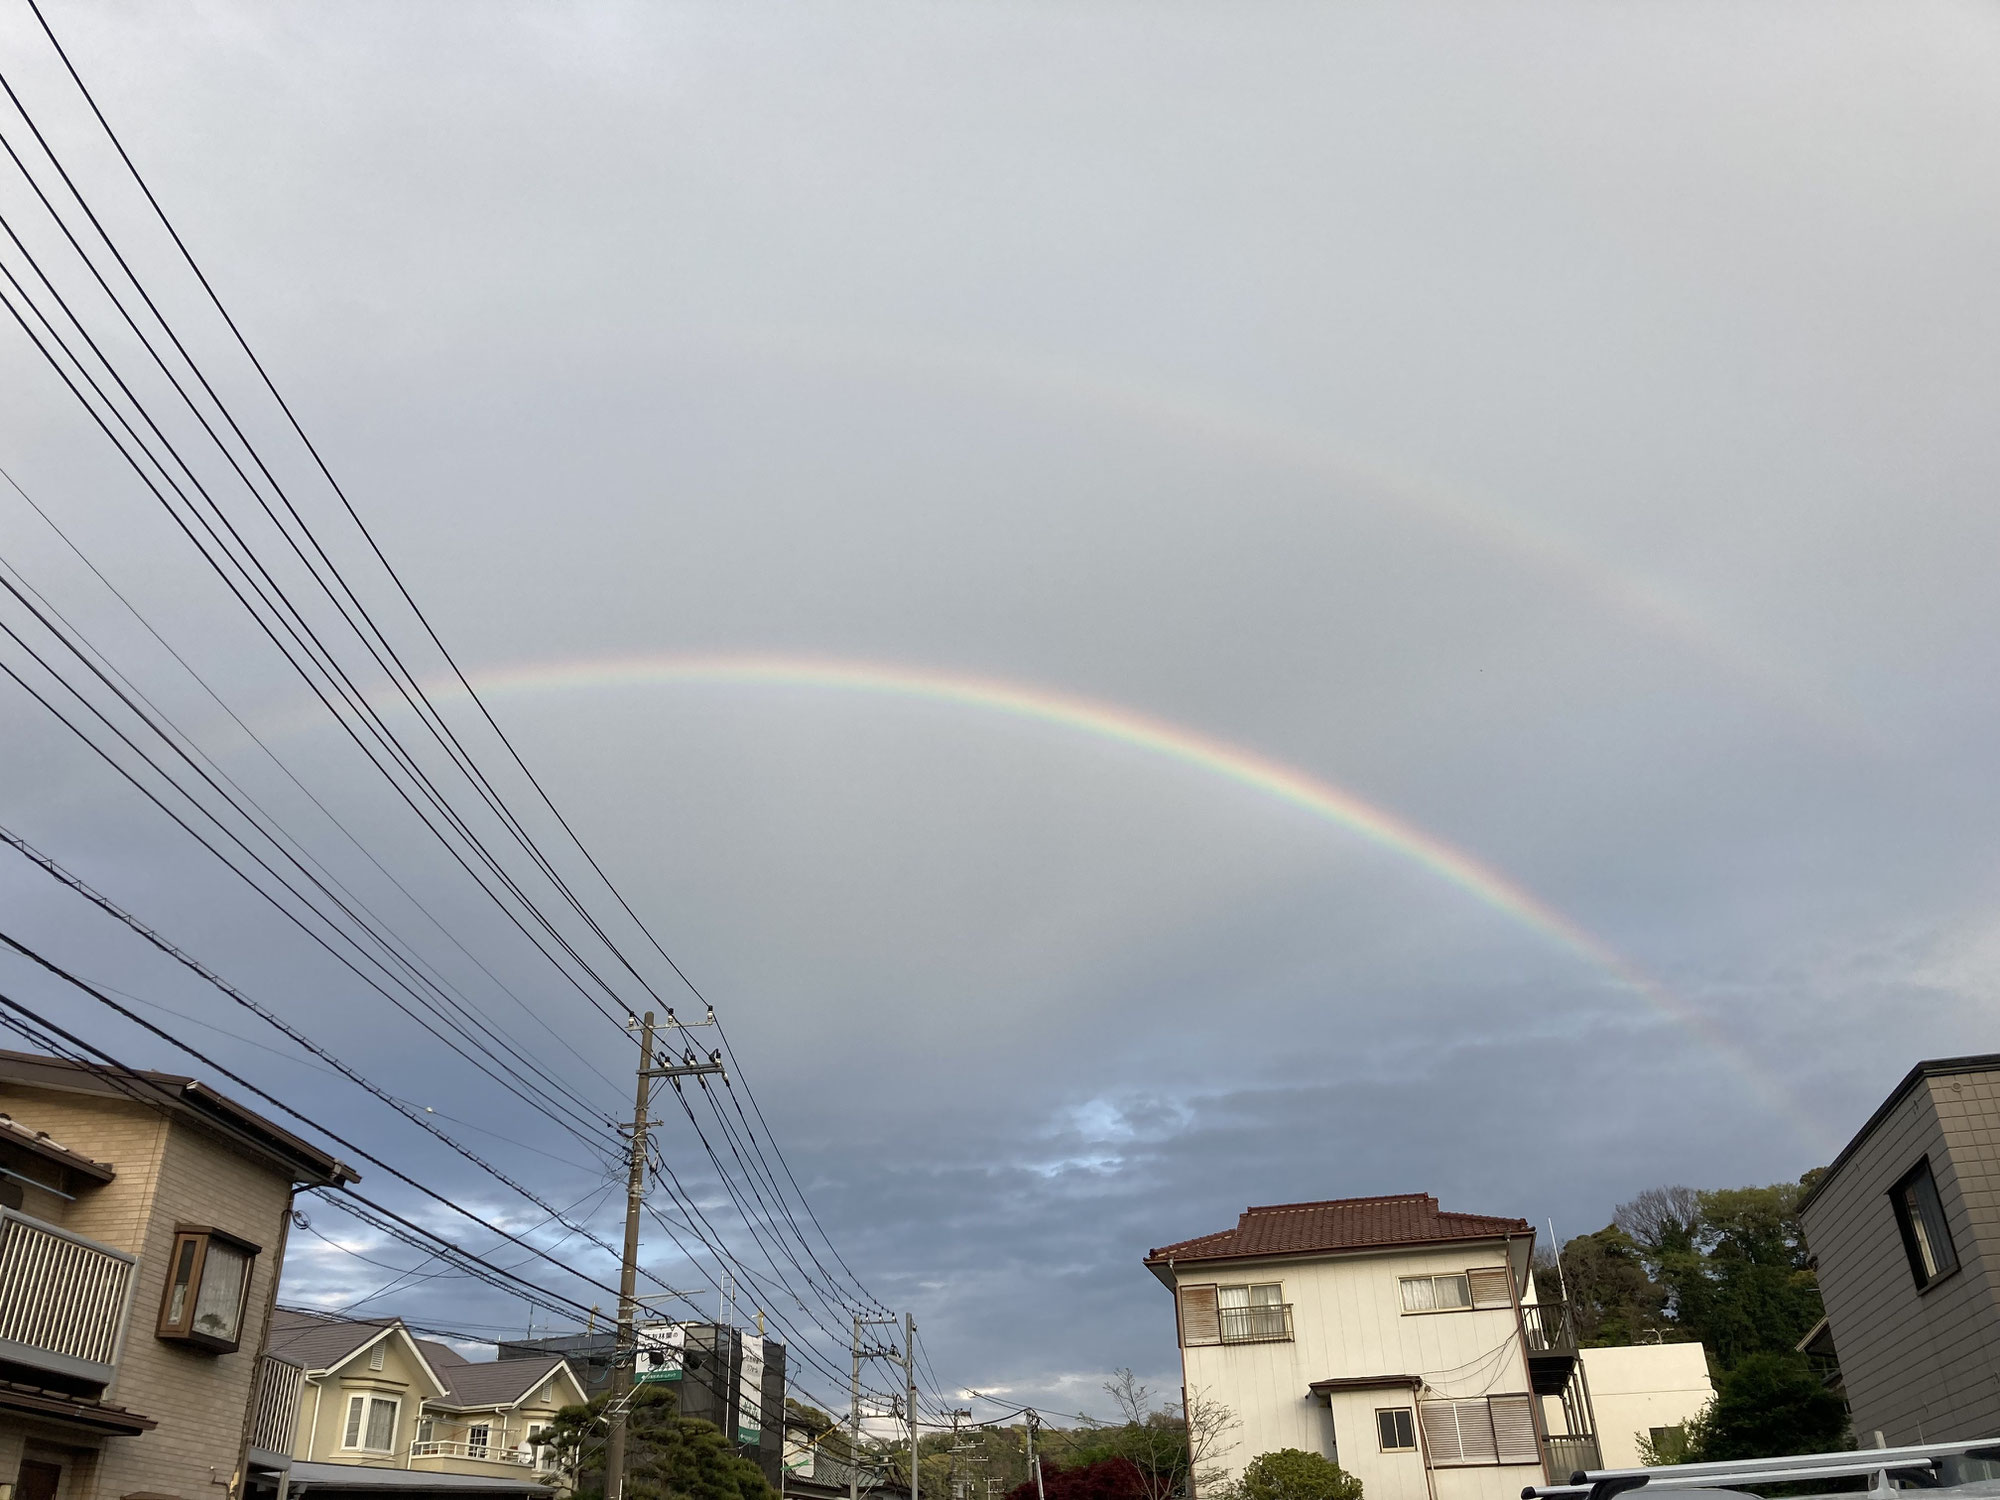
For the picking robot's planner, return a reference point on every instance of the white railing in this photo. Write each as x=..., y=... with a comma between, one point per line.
x=275, y=1418
x=62, y=1298
x=492, y=1453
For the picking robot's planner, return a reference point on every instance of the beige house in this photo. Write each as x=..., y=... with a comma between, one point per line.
x=142, y=1223
x=1901, y=1227
x=1403, y=1341
x=374, y=1396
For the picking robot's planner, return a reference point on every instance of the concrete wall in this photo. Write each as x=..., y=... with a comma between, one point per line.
x=1348, y=1321
x=1637, y=1387
x=168, y=1173
x=1919, y=1366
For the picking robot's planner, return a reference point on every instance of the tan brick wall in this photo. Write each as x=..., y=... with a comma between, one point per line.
x=168, y=1174
x=1920, y=1366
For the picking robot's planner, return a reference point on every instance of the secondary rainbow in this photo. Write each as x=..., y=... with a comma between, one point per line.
x=1171, y=742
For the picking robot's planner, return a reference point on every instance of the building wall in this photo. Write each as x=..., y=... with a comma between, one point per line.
x=168, y=1173
x=322, y=1428
x=508, y=1428
x=1637, y=1387
x=1919, y=1366
x=1348, y=1321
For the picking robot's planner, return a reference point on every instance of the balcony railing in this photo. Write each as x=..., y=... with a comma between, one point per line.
x=490, y=1452
x=274, y=1419
x=62, y=1299
x=1548, y=1327
x=1268, y=1324
x=1570, y=1452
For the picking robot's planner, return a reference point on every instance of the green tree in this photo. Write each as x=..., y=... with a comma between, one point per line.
x=1729, y=1268
x=668, y=1456
x=1294, y=1474
x=1612, y=1299
x=1767, y=1406
x=1760, y=1298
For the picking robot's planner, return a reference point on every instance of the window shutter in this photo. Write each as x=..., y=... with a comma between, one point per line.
x=1441, y=1432
x=1514, y=1430
x=1200, y=1322
x=1475, y=1433
x=1491, y=1287
x=354, y=1405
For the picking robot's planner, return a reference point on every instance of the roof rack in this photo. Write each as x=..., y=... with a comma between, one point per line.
x=1882, y=1465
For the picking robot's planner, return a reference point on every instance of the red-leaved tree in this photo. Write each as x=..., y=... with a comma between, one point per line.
x=1107, y=1479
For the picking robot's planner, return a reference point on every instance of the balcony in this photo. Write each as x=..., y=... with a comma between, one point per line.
x=504, y=1450
x=1570, y=1453
x=274, y=1416
x=1551, y=1345
x=62, y=1299
x=1268, y=1324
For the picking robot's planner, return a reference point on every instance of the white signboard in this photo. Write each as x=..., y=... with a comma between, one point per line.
x=750, y=1391
x=662, y=1351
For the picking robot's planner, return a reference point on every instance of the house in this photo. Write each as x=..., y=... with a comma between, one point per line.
x=372, y=1396
x=142, y=1223
x=1402, y=1340
x=1901, y=1226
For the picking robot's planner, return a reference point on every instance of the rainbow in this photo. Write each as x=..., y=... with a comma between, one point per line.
x=1170, y=742
x=1192, y=415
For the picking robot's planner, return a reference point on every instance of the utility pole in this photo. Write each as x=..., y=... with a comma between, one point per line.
x=624, y=1353
x=854, y=1420
x=872, y=1351
x=1034, y=1464
x=910, y=1386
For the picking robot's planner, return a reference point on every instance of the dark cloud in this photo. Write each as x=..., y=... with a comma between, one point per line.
x=1566, y=429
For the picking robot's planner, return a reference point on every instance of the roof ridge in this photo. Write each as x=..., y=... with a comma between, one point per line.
x=1271, y=1208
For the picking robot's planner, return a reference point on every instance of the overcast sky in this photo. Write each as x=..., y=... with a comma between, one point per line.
x=1565, y=430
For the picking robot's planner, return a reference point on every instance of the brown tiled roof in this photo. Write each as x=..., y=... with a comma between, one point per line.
x=71, y=1410
x=319, y=1341
x=39, y=1142
x=1338, y=1224
x=497, y=1382
x=187, y=1097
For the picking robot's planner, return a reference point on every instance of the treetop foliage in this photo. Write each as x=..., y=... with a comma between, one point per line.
x=668, y=1456
x=1726, y=1267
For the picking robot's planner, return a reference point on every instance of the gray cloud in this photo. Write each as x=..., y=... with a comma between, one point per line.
x=1565, y=428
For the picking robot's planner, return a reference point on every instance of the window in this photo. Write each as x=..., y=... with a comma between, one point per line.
x=1920, y=1217
x=1250, y=1314
x=208, y=1281
x=371, y=1424
x=476, y=1438
x=426, y=1430
x=379, y=1355
x=1489, y=1430
x=1397, y=1427
x=1436, y=1293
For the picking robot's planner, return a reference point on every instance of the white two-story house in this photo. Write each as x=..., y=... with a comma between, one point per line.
x=1387, y=1334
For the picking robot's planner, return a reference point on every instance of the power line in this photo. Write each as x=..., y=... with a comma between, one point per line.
x=288, y=615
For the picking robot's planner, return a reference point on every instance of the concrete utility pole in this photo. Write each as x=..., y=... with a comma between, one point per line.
x=624, y=1356
x=910, y=1388
x=1034, y=1464
x=854, y=1420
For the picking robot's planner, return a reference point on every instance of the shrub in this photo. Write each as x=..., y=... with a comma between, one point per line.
x=1294, y=1474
